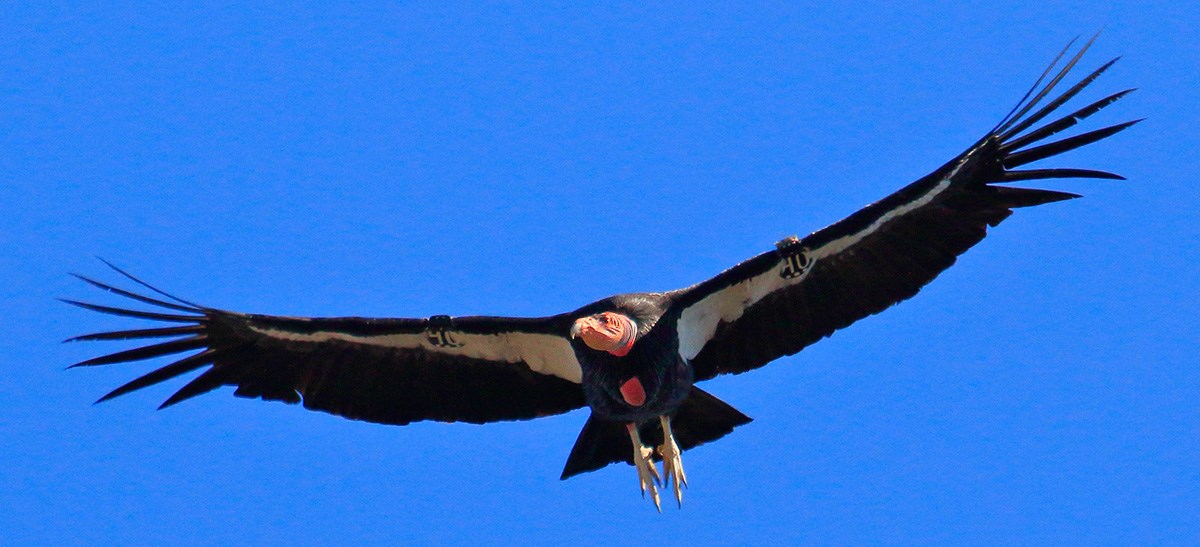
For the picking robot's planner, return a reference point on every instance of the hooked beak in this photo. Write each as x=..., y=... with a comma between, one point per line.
x=576, y=328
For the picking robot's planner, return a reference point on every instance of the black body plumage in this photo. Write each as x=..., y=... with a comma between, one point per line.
x=654, y=360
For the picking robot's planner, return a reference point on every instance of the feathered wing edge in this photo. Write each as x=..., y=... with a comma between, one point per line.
x=756, y=312
x=192, y=335
x=1014, y=148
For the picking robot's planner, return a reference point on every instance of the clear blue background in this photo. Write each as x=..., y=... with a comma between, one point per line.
x=411, y=160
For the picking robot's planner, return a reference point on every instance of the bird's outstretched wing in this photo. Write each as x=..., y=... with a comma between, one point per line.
x=780, y=301
x=395, y=371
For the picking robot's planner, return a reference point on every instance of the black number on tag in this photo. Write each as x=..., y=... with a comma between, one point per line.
x=796, y=261
x=438, y=332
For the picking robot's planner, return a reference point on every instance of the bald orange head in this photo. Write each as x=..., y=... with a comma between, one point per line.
x=608, y=331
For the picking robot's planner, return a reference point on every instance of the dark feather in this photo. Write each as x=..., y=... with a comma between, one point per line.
x=1052, y=84
x=212, y=379
x=147, y=352
x=148, y=286
x=1054, y=104
x=134, y=296
x=1036, y=174
x=172, y=370
x=139, y=333
x=1062, y=124
x=1012, y=114
x=134, y=313
x=1065, y=145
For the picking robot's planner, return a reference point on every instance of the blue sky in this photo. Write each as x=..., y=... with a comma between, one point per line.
x=412, y=160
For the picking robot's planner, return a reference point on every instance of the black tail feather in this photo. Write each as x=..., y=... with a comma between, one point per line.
x=600, y=443
x=701, y=419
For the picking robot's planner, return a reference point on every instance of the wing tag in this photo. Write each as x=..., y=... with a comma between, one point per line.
x=437, y=331
x=796, y=260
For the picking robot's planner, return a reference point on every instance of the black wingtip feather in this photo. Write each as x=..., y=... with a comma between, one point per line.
x=1014, y=149
x=1036, y=174
x=1051, y=84
x=1061, y=124
x=134, y=313
x=146, y=352
x=163, y=374
x=1028, y=197
x=1012, y=114
x=135, y=296
x=1057, y=102
x=1070, y=143
x=137, y=334
x=131, y=277
x=200, y=385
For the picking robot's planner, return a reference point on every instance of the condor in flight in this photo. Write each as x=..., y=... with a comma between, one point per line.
x=633, y=359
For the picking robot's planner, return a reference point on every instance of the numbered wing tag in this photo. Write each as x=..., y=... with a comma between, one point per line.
x=796, y=260
x=438, y=332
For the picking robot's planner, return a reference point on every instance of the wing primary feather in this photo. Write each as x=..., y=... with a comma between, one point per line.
x=1029, y=197
x=1064, y=145
x=1050, y=85
x=147, y=352
x=1061, y=124
x=1057, y=102
x=134, y=296
x=204, y=383
x=1035, y=174
x=163, y=374
x=1005, y=120
x=135, y=313
x=139, y=333
x=147, y=285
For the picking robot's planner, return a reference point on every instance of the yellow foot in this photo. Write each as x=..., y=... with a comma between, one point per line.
x=672, y=459
x=648, y=478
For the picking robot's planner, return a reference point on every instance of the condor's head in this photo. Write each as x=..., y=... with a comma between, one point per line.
x=608, y=331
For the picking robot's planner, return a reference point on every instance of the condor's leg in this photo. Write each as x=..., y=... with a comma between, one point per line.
x=672, y=459
x=642, y=460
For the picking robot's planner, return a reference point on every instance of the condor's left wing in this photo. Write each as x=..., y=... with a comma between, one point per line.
x=778, y=302
x=393, y=371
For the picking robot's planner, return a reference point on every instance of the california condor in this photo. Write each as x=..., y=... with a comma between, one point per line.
x=634, y=359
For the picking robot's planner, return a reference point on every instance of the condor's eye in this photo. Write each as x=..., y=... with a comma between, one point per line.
x=604, y=319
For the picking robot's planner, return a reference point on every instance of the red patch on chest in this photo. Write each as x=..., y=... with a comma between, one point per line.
x=633, y=392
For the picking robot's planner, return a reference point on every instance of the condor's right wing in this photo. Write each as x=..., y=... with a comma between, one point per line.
x=393, y=371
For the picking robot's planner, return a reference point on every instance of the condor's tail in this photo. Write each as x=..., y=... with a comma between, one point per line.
x=702, y=418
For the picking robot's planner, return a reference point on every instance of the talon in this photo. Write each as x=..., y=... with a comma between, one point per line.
x=672, y=459
x=648, y=478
